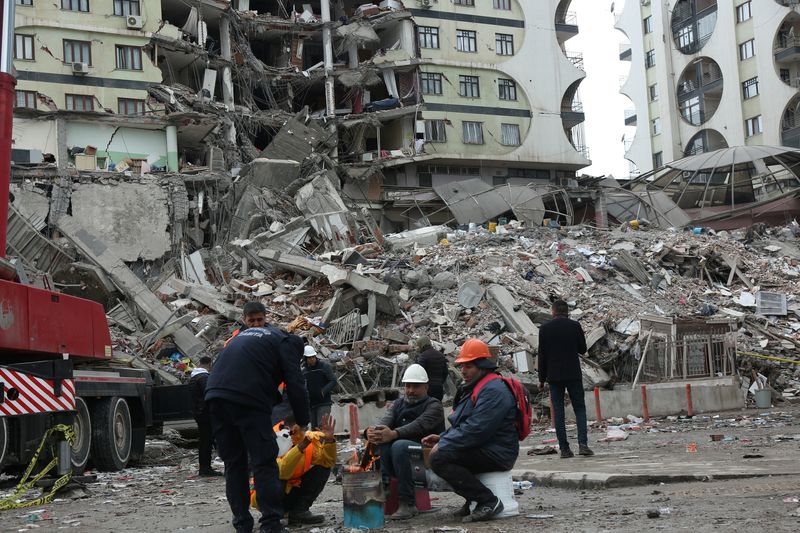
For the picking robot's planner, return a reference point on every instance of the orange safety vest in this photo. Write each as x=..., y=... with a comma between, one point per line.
x=235, y=332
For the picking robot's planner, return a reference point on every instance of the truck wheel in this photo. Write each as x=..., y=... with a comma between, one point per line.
x=83, y=436
x=3, y=440
x=111, y=433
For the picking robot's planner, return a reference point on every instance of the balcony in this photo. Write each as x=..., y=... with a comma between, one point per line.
x=630, y=117
x=566, y=26
x=693, y=23
x=576, y=58
x=787, y=50
x=625, y=52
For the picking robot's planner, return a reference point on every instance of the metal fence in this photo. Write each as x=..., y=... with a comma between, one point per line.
x=689, y=357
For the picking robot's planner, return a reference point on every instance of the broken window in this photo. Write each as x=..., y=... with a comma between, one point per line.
x=25, y=99
x=466, y=41
x=129, y=57
x=504, y=44
x=435, y=131
x=428, y=36
x=431, y=82
x=23, y=46
x=75, y=5
x=473, y=132
x=130, y=106
x=77, y=52
x=507, y=89
x=123, y=8
x=509, y=135
x=502, y=4
x=468, y=86
x=79, y=102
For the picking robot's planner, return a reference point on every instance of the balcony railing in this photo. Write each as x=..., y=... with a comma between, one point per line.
x=576, y=58
x=691, y=85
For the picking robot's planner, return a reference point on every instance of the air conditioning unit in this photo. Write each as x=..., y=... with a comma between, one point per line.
x=645, y=2
x=80, y=68
x=426, y=3
x=134, y=22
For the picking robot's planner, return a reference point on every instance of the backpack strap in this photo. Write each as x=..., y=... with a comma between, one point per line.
x=478, y=386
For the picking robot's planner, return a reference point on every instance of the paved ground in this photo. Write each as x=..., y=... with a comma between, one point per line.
x=627, y=480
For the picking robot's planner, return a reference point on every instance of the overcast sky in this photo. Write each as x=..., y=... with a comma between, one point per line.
x=603, y=104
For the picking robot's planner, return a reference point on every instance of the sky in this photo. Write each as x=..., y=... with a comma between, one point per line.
x=603, y=104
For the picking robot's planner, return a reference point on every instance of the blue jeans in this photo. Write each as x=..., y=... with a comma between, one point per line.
x=575, y=390
x=396, y=462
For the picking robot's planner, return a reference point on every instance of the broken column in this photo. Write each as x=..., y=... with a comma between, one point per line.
x=172, y=148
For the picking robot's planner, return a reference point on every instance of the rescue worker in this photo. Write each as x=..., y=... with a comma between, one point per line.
x=405, y=423
x=320, y=382
x=241, y=393
x=254, y=315
x=197, y=389
x=482, y=436
x=435, y=364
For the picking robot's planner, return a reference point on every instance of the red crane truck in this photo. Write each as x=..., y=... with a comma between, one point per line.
x=56, y=364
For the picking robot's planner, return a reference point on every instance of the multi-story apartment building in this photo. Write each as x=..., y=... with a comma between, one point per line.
x=706, y=75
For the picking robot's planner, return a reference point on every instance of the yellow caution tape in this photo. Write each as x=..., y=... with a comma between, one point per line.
x=769, y=357
x=12, y=502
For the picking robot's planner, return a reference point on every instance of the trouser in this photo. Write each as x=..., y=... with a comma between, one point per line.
x=396, y=462
x=243, y=432
x=206, y=438
x=300, y=498
x=575, y=390
x=458, y=468
x=317, y=412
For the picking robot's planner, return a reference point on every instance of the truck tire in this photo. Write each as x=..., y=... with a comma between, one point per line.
x=83, y=436
x=3, y=440
x=111, y=433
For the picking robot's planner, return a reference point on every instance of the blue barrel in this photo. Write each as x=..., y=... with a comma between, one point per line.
x=363, y=497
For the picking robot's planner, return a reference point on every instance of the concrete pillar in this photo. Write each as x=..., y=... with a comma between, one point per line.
x=172, y=148
x=327, y=49
x=62, y=157
x=353, y=55
x=227, y=79
x=408, y=39
x=243, y=5
x=601, y=211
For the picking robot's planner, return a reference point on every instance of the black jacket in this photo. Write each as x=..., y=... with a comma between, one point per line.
x=561, y=341
x=435, y=364
x=415, y=421
x=197, y=389
x=255, y=362
x=320, y=382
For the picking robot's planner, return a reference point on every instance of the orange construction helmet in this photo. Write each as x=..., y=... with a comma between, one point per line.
x=471, y=350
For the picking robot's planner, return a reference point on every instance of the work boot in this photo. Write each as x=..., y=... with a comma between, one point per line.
x=306, y=517
x=405, y=511
x=210, y=472
x=463, y=511
x=566, y=453
x=485, y=511
x=583, y=449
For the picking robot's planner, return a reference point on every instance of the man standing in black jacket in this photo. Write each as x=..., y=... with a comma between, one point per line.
x=197, y=388
x=241, y=393
x=320, y=382
x=561, y=341
x=435, y=364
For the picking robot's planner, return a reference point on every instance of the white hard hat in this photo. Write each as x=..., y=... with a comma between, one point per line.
x=309, y=351
x=415, y=374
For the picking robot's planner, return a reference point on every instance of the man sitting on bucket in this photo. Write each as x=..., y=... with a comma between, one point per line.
x=404, y=424
x=482, y=436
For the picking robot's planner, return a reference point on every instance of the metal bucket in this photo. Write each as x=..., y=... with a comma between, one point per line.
x=763, y=398
x=363, y=497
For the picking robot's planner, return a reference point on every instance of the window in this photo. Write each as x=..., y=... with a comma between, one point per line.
x=753, y=126
x=750, y=88
x=435, y=131
x=653, y=92
x=509, y=135
x=785, y=75
x=428, y=36
x=24, y=2
x=431, y=82
x=123, y=8
x=747, y=50
x=79, y=102
x=658, y=160
x=129, y=57
x=75, y=5
x=23, y=46
x=77, y=52
x=468, y=86
x=647, y=24
x=656, y=126
x=425, y=178
x=502, y=4
x=25, y=99
x=529, y=173
x=743, y=12
x=466, y=41
x=473, y=132
x=504, y=44
x=130, y=106
x=464, y=2
x=507, y=89
x=650, y=59
x=686, y=38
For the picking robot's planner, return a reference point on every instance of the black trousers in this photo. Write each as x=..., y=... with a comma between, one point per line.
x=206, y=438
x=242, y=432
x=458, y=468
x=301, y=498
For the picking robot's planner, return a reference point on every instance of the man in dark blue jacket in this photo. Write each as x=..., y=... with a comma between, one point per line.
x=482, y=435
x=241, y=392
x=561, y=341
x=320, y=383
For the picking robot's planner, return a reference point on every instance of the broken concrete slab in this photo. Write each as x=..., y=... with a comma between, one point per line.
x=515, y=318
x=427, y=236
x=272, y=173
x=207, y=296
x=325, y=210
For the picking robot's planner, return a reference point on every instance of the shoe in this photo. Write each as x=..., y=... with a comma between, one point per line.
x=566, y=453
x=485, y=511
x=405, y=511
x=464, y=510
x=210, y=472
x=306, y=517
x=585, y=450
